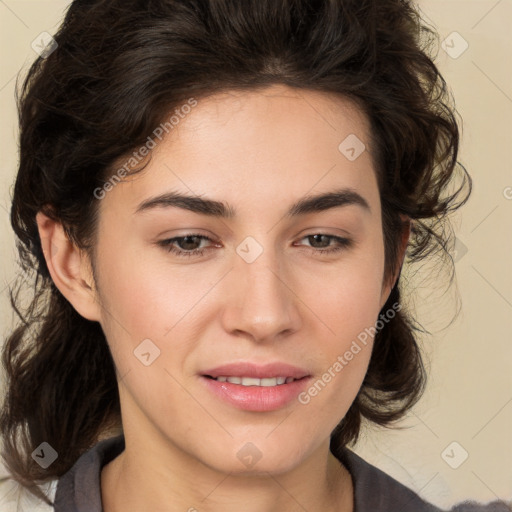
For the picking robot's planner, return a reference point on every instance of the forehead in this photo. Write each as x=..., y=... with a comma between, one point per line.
x=273, y=143
x=240, y=120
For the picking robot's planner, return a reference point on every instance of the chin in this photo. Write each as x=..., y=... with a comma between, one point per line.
x=256, y=457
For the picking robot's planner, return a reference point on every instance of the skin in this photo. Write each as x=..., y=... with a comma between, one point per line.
x=259, y=151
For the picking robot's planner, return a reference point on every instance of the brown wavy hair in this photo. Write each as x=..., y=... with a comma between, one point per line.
x=119, y=68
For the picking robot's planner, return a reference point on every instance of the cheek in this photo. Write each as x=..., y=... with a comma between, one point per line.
x=147, y=300
x=349, y=303
x=350, y=309
x=350, y=298
x=145, y=311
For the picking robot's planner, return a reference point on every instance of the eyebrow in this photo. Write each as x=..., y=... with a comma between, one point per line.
x=213, y=208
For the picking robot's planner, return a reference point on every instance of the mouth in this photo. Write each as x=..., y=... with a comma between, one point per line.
x=252, y=387
x=255, y=394
x=254, y=381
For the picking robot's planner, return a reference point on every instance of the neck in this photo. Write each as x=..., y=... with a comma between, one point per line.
x=148, y=474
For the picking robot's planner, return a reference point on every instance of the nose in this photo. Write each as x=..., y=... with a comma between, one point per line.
x=262, y=305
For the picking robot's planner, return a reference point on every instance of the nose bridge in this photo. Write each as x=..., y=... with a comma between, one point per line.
x=263, y=305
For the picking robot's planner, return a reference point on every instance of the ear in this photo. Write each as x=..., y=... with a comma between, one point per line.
x=389, y=284
x=69, y=267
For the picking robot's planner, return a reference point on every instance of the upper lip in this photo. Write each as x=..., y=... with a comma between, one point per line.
x=246, y=369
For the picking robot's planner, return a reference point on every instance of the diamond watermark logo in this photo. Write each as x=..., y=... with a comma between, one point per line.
x=352, y=147
x=454, y=455
x=459, y=250
x=44, y=455
x=44, y=45
x=146, y=352
x=249, y=455
x=249, y=249
x=454, y=45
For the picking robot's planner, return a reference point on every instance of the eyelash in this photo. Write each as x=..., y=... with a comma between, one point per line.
x=344, y=243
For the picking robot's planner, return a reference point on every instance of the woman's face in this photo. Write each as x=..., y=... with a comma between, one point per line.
x=261, y=296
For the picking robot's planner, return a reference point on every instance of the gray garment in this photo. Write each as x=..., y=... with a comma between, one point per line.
x=79, y=489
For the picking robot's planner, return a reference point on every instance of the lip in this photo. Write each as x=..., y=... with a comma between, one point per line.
x=256, y=398
x=268, y=370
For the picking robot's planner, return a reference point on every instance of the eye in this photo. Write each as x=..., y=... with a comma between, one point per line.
x=324, y=240
x=187, y=245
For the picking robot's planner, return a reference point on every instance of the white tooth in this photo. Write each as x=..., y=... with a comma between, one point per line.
x=250, y=381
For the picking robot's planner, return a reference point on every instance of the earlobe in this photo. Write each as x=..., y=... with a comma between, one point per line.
x=69, y=267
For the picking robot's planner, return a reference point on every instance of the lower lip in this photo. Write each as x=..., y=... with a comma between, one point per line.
x=256, y=398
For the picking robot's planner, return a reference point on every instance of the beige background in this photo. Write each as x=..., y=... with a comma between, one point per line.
x=469, y=397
